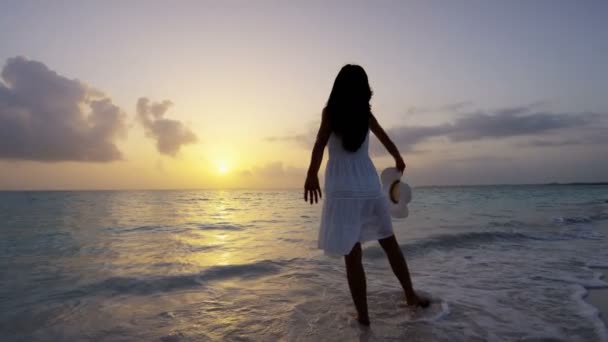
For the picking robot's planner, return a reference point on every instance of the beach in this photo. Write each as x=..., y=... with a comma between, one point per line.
x=500, y=263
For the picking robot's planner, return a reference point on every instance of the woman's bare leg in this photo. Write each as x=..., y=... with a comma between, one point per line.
x=399, y=266
x=356, y=282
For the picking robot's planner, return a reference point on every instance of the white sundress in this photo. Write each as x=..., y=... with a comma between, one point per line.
x=354, y=209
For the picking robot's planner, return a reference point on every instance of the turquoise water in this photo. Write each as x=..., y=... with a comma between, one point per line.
x=502, y=263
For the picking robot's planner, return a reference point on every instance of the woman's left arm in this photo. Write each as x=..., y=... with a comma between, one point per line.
x=312, y=189
x=387, y=142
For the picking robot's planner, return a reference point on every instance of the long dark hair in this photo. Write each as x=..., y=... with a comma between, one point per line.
x=348, y=108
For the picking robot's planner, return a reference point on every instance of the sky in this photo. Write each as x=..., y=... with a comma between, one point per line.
x=228, y=94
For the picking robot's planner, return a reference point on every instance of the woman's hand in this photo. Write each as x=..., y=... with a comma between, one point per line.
x=312, y=189
x=400, y=164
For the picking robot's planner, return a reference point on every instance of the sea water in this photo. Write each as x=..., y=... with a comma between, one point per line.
x=502, y=263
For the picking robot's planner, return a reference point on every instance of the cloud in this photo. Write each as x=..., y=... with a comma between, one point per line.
x=592, y=136
x=170, y=135
x=553, y=143
x=49, y=118
x=304, y=139
x=511, y=122
x=450, y=108
x=497, y=124
x=456, y=106
x=481, y=159
x=270, y=170
x=274, y=174
x=245, y=173
x=407, y=137
x=273, y=170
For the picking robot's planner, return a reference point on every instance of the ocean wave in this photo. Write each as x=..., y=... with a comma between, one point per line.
x=178, y=228
x=566, y=220
x=149, y=285
x=199, y=248
x=507, y=224
x=574, y=220
x=597, y=264
x=195, y=199
x=593, y=283
x=450, y=241
x=265, y=221
x=474, y=239
x=216, y=226
x=142, y=229
x=231, y=209
x=594, y=202
x=578, y=231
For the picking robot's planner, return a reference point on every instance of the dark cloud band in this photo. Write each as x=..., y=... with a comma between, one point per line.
x=525, y=121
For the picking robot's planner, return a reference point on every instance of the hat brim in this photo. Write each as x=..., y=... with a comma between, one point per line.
x=399, y=211
x=391, y=177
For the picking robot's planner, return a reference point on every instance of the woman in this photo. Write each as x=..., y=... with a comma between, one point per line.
x=355, y=210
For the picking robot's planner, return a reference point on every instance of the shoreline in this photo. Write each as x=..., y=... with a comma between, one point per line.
x=598, y=297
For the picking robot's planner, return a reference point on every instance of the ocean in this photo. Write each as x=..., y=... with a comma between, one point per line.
x=501, y=263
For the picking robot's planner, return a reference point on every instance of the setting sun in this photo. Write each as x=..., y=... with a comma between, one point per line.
x=222, y=168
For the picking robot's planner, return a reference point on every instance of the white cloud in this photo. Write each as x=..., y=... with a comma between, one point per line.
x=169, y=134
x=47, y=117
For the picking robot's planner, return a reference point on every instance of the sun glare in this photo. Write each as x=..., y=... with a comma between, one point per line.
x=222, y=168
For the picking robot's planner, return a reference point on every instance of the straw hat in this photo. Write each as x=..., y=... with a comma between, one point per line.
x=399, y=194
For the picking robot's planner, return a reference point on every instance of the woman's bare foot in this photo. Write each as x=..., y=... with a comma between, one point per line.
x=363, y=320
x=417, y=300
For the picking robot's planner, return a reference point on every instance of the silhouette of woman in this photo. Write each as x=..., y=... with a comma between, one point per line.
x=354, y=210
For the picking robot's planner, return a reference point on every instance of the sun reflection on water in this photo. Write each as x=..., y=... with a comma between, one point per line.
x=185, y=232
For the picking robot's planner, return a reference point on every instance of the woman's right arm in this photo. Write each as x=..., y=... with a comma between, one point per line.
x=387, y=142
x=311, y=186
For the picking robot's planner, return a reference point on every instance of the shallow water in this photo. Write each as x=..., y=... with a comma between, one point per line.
x=502, y=263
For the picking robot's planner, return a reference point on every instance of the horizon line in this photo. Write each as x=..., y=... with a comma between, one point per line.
x=603, y=183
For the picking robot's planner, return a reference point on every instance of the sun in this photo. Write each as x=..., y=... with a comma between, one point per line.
x=222, y=168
